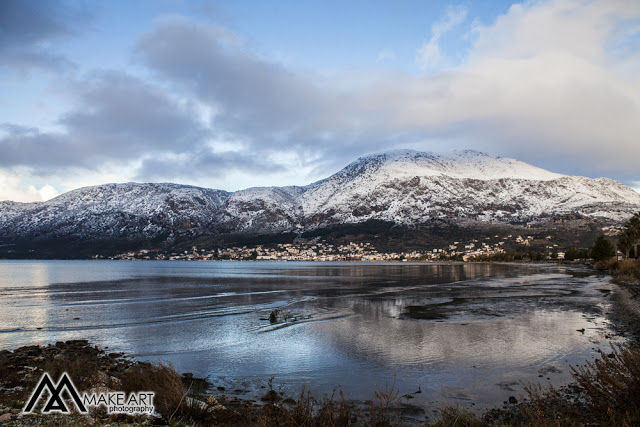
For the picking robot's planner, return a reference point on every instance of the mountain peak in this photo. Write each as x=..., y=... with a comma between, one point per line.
x=470, y=164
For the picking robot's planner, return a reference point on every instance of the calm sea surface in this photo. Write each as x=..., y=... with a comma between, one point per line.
x=462, y=333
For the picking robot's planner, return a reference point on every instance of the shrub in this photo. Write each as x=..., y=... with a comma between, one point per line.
x=160, y=378
x=628, y=270
x=384, y=410
x=612, y=383
x=606, y=265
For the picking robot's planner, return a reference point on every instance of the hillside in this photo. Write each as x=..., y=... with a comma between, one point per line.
x=399, y=189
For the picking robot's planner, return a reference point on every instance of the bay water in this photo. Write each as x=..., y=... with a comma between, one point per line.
x=469, y=334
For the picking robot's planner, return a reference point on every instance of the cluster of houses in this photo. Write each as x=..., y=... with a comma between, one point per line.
x=321, y=250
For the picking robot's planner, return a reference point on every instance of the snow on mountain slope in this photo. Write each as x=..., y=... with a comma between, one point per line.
x=114, y=209
x=401, y=186
x=263, y=208
x=366, y=174
x=410, y=186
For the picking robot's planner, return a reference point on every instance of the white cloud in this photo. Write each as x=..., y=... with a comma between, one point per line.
x=13, y=187
x=543, y=82
x=429, y=54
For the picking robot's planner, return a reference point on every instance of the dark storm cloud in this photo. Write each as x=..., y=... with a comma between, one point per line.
x=28, y=27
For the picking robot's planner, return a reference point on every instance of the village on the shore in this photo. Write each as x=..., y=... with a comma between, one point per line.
x=317, y=249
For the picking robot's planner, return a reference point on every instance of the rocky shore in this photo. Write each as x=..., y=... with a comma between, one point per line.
x=21, y=369
x=626, y=315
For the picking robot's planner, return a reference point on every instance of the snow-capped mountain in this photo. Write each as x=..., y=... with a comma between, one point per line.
x=409, y=186
x=111, y=210
x=404, y=187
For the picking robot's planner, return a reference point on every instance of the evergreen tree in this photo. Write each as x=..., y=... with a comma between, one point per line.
x=571, y=254
x=603, y=248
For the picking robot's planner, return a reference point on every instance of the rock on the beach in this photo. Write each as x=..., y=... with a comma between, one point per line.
x=5, y=417
x=213, y=402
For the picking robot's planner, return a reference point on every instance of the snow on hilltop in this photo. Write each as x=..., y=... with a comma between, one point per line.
x=397, y=164
x=408, y=186
x=402, y=186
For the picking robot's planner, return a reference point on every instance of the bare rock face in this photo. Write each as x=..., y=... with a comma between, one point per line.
x=404, y=187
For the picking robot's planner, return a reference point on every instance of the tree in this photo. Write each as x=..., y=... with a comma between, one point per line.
x=554, y=254
x=573, y=254
x=625, y=243
x=629, y=236
x=602, y=249
x=633, y=228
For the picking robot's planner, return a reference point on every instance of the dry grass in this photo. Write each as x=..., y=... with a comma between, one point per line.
x=384, y=410
x=609, y=394
x=606, y=265
x=611, y=383
x=83, y=369
x=628, y=270
x=546, y=406
x=333, y=411
x=160, y=378
x=456, y=416
x=309, y=412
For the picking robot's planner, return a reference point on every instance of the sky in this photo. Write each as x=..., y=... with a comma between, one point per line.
x=237, y=94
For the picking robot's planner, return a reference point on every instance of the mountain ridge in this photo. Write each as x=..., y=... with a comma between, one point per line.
x=402, y=187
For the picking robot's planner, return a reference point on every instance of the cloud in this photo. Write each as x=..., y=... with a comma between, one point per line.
x=12, y=187
x=519, y=93
x=119, y=118
x=27, y=29
x=429, y=54
x=206, y=61
x=205, y=163
x=549, y=82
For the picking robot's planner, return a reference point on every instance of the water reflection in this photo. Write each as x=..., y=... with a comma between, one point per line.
x=467, y=331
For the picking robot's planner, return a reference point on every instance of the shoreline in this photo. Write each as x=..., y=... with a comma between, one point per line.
x=626, y=311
